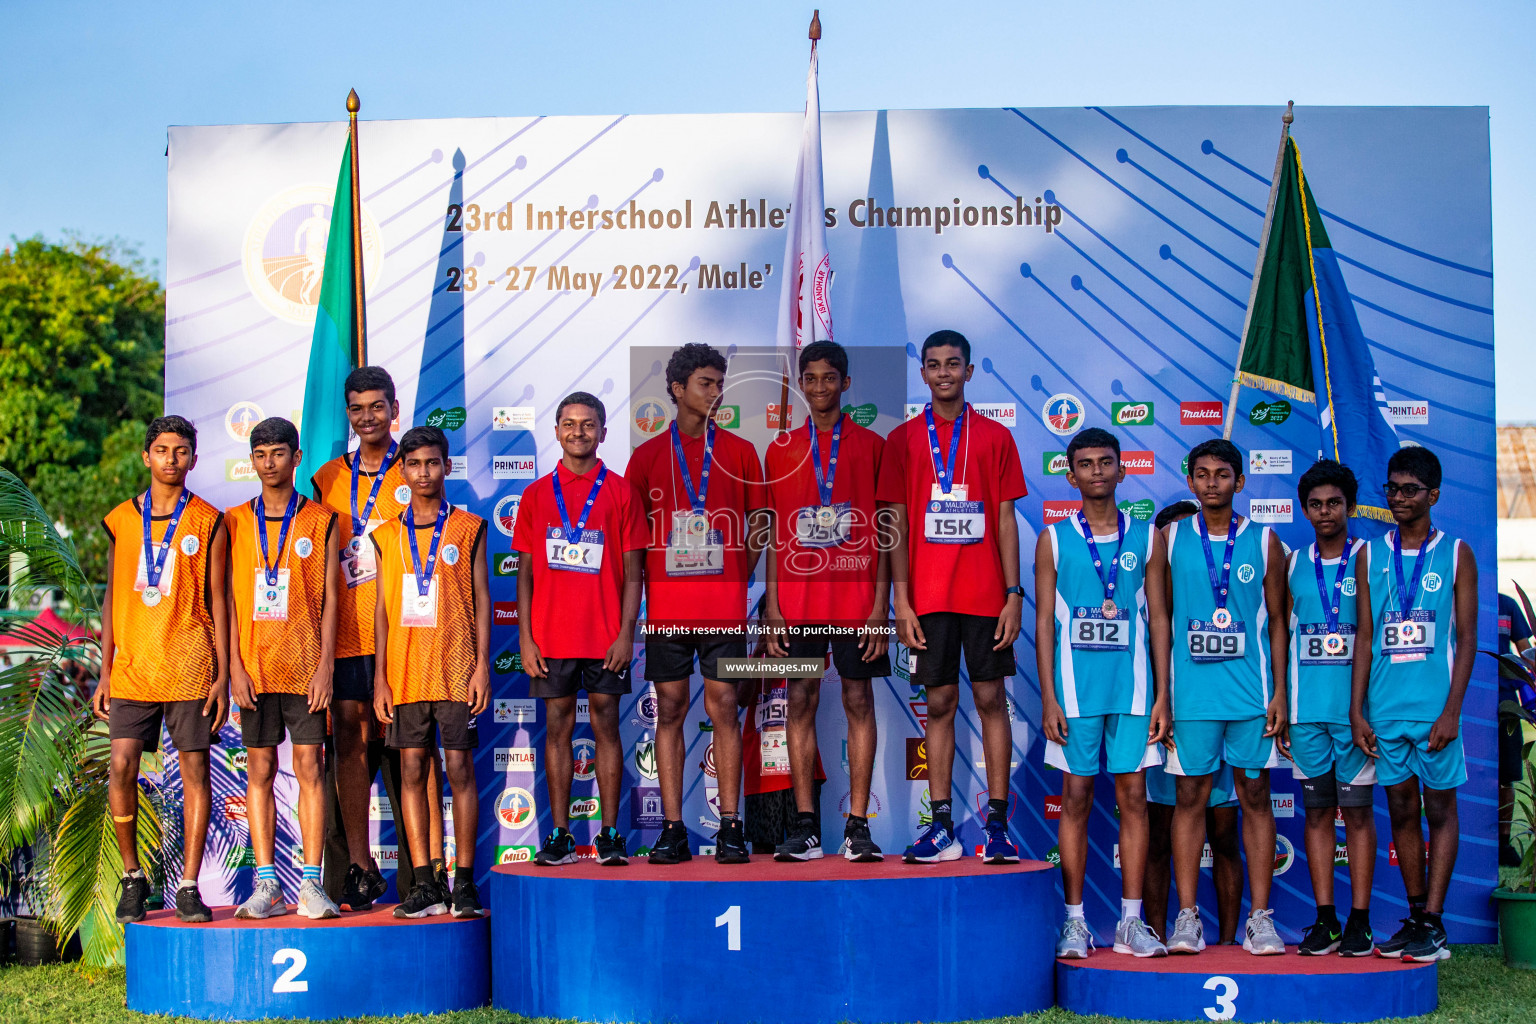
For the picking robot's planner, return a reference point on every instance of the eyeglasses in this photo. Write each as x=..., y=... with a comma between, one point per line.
x=1409, y=491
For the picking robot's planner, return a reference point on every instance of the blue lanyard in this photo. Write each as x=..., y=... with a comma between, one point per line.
x=945, y=471
x=695, y=496
x=1406, y=596
x=424, y=577
x=1218, y=585
x=282, y=534
x=824, y=480
x=1331, y=608
x=360, y=520
x=573, y=533
x=154, y=559
x=1093, y=552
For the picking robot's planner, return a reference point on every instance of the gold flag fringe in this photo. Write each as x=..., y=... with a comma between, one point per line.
x=1253, y=380
x=1371, y=512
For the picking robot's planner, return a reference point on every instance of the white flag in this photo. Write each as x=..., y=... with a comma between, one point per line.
x=805, y=315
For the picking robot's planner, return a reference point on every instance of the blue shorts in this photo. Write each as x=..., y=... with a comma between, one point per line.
x=1403, y=753
x=1201, y=746
x=1122, y=737
x=1318, y=748
x=1162, y=789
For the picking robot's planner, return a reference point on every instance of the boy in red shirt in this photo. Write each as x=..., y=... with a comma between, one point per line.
x=951, y=476
x=702, y=489
x=828, y=582
x=582, y=537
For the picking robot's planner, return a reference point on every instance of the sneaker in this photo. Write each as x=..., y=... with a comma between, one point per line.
x=1321, y=938
x=672, y=845
x=190, y=906
x=1075, y=942
x=1431, y=945
x=440, y=876
x=934, y=843
x=1404, y=937
x=999, y=848
x=314, y=903
x=1259, y=935
x=857, y=844
x=362, y=887
x=731, y=843
x=804, y=842
x=466, y=900
x=1188, y=933
x=612, y=849
x=1357, y=940
x=559, y=848
x=1134, y=937
x=130, y=905
x=267, y=901
x=424, y=901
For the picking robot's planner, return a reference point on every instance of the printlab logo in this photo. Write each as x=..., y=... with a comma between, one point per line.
x=1131, y=414
x=1063, y=414
x=514, y=759
x=583, y=760
x=1401, y=414
x=283, y=253
x=650, y=416
x=1270, y=510
x=512, y=467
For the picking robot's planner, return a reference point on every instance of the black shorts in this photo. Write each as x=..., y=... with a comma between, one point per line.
x=1511, y=747
x=352, y=679
x=948, y=633
x=433, y=723
x=569, y=676
x=140, y=720
x=277, y=713
x=668, y=660
x=846, y=656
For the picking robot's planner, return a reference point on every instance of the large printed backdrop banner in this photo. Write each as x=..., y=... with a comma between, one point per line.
x=1098, y=259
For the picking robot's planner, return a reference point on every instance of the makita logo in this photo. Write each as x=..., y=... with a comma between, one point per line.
x=1053, y=808
x=1059, y=510
x=1199, y=414
x=1126, y=414
x=1136, y=463
x=504, y=612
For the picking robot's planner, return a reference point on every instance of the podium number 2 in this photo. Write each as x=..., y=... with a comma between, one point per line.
x=731, y=919
x=1226, y=998
x=289, y=980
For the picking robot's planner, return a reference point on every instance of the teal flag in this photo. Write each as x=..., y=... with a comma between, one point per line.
x=335, y=349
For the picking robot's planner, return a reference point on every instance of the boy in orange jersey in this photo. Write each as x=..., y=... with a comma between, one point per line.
x=432, y=637
x=284, y=578
x=164, y=652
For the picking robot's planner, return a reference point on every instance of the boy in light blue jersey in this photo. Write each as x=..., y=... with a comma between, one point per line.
x=1416, y=596
x=1101, y=628
x=1334, y=773
x=1227, y=583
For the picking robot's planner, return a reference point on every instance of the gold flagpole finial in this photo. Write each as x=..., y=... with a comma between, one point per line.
x=1289, y=115
x=815, y=33
x=353, y=103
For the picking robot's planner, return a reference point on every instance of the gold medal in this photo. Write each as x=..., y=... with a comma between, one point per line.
x=150, y=596
x=571, y=555
x=826, y=515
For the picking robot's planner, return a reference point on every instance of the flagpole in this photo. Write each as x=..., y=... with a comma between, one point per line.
x=1258, y=266
x=353, y=106
x=814, y=34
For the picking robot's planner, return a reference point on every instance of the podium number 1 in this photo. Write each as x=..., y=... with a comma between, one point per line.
x=1226, y=998
x=289, y=980
x=731, y=919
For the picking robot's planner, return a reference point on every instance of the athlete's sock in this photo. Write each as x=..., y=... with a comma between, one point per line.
x=1130, y=909
x=804, y=818
x=1433, y=919
x=1360, y=917
x=1416, y=906
x=134, y=873
x=728, y=816
x=1327, y=913
x=437, y=865
x=997, y=809
x=463, y=876
x=856, y=819
x=941, y=814
x=423, y=874
x=266, y=872
x=187, y=883
x=311, y=873
x=1075, y=912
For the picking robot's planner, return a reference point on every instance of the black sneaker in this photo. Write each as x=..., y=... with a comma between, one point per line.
x=130, y=905
x=425, y=900
x=1357, y=939
x=1321, y=938
x=361, y=888
x=857, y=844
x=731, y=843
x=804, y=842
x=440, y=876
x=672, y=845
x=559, y=848
x=466, y=900
x=1431, y=945
x=612, y=850
x=190, y=906
x=1404, y=937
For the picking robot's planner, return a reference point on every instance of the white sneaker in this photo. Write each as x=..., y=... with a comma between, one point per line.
x=315, y=904
x=1075, y=942
x=1260, y=937
x=1134, y=937
x=267, y=901
x=1188, y=933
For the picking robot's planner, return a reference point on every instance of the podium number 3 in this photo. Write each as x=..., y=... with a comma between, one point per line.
x=289, y=980
x=731, y=919
x=1226, y=998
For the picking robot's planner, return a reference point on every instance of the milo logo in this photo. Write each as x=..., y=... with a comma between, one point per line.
x=864, y=415
x=728, y=417
x=447, y=419
x=1142, y=510
x=1269, y=412
x=1053, y=463
x=1127, y=414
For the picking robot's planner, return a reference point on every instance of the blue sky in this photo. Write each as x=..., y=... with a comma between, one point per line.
x=87, y=89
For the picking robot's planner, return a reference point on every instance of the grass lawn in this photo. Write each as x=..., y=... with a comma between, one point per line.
x=1475, y=988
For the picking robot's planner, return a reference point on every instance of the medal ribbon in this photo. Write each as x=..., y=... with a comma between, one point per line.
x=1218, y=584
x=697, y=495
x=1331, y=608
x=360, y=519
x=824, y=480
x=573, y=532
x=154, y=559
x=1406, y=596
x=424, y=577
x=1093, y=552
x=945, y=471
x=282, y=534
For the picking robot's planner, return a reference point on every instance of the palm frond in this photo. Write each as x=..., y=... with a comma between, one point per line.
x=50, y=559
x=42, y=722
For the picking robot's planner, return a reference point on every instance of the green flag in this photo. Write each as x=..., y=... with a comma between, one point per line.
x=336, y=347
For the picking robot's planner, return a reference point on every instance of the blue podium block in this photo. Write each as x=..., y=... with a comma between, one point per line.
x=365, y=963
x=813, y=943
x=1225, y=983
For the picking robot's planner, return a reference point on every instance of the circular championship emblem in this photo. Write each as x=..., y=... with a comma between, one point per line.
x=1063, y=414
x=1221, y=618
x=303, y=546
x=189, y=545
x=515, y=808
x=826, y=516
x=1081, y=612
x=933, y=506
x=1285, y=854
x=354, y=546
x=1108, y=609
x=1128, y=561
x=1333, y=643
x=1432, y=582
x=450, y=554
x=284, y=251
x=271, y=595
x=241, y=419
x=583, y=760
x=571, y=555
x=650, y=416
x=402, y=494
x=1348, y=587
x=1245, y=573
x=505, y=515
x=698, y=525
